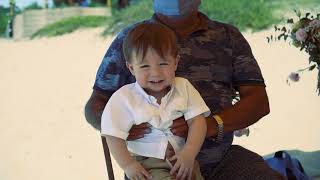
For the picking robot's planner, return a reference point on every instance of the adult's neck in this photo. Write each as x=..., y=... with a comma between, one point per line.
x=182, y=25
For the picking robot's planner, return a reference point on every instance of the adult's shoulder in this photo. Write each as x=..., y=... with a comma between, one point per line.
x=218, y=25
x=213, y=24
x=230, y=32
x=122, y=34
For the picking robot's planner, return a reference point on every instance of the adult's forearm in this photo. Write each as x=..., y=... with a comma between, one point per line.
x=246, y=112
x=252, y=106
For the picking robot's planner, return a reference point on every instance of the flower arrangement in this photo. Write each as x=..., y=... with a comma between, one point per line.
x=304, y=34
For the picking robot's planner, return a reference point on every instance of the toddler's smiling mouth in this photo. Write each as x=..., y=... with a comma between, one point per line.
x=156, y=82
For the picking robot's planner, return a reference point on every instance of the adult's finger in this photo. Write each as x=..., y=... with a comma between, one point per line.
x=169, y=151
x=175, y=167
x=179, y=122
x=138, y=131
x=190, y=174
x=181, y=171
x=134, y=137
x=185, y=174
x=181, y=131
x=143, y=125
x=146, y=174
x=180, y=127
x=141, y=177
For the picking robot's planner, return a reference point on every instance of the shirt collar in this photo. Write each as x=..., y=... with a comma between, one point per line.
x=148, y=97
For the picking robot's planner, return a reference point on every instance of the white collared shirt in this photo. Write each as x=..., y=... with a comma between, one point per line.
x=131, y=105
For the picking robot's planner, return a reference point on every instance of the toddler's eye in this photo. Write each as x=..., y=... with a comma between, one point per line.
x=163, y=64
x=144, y=66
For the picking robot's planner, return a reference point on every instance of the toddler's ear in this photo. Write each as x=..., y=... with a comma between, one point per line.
x=177, y=59
x=129, y=66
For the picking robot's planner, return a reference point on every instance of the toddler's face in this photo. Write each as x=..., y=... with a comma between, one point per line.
x=154, y=74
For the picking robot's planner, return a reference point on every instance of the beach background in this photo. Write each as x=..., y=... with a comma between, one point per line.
x=46, y=82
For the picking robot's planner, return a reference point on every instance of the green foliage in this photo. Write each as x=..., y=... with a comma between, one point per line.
x=96, y=4
x=244, y=14
x=4, y=17
x=69, y=25
x=296, y=4
x=137, y=11
x=59, y=3
x=33, y=5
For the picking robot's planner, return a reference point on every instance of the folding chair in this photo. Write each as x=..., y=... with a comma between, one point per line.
x=107, y=158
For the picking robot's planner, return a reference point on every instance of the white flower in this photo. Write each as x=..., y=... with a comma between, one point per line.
x=301, y=35
x=294, y=77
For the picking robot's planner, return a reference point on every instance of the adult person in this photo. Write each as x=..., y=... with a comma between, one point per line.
x=157, y=97
x=218, y=61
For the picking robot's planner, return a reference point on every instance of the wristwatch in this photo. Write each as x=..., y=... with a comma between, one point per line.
x=220, y=133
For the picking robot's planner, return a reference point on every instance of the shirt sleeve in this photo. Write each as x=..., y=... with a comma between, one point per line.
x=195, y=103
x=113, y=73
x=116, y=119
x=246, y=70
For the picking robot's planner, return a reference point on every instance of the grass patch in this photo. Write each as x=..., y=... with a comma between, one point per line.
x=69, y=25
x=244, y=14
x=136, y=12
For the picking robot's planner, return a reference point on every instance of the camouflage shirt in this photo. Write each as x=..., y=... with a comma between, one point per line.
x=215, y=59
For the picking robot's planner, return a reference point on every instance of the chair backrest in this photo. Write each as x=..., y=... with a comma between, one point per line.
x=107, y=158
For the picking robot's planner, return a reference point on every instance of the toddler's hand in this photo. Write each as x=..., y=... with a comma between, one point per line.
x=183, y=166
x=135, y=171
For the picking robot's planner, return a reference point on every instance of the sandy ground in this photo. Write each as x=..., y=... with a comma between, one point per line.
x=46, y=82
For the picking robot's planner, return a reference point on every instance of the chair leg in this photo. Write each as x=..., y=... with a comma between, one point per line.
x=107, y=158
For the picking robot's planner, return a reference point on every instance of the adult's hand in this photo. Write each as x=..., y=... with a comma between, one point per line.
x=138, y=131
x=180, y=127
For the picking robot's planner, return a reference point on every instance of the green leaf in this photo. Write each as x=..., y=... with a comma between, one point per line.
x=298, y=13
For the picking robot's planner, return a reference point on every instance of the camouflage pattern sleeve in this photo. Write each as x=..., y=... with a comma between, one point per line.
x=113, y=73
x=246, y=70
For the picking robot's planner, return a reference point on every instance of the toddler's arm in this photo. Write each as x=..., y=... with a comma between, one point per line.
x=186, y=157
x=131, y=167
